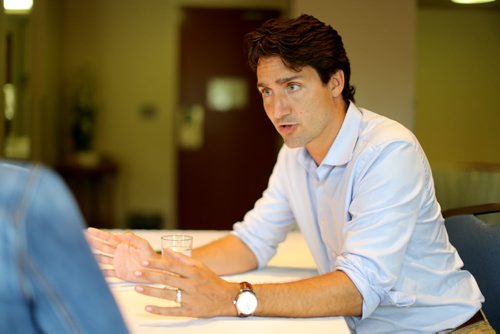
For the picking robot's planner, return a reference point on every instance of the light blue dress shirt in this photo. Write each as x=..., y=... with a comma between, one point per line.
x=370, y=211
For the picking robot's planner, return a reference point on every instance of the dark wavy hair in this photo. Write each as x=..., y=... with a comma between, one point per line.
x=300, y=42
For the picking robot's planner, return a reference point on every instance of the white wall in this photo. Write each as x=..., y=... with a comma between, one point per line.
x=379, y=37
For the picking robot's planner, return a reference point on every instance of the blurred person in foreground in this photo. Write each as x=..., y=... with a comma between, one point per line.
x=49, y=279
x=359, y=187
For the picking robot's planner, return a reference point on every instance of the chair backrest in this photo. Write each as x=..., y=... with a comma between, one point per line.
x=478, y=244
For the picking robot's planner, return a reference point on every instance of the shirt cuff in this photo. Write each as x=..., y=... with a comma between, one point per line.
x=371, y=299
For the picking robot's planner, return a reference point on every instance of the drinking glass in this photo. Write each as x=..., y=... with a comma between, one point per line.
x=180, y=243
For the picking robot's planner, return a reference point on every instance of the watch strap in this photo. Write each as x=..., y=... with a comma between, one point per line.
x=244, y=287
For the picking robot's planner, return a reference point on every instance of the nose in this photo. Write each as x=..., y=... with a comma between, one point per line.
x=278, y=107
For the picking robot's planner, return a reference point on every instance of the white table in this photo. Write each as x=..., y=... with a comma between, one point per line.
x=293, y=261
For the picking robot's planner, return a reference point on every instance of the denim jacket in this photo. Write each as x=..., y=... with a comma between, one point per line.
x=49, y=279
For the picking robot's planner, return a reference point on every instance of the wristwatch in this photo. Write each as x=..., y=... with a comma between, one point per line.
x=246, y=300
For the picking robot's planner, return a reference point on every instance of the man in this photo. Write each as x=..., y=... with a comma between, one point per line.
x=49, y=280
x=357, y=184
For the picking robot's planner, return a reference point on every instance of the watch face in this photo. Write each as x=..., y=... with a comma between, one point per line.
x=246, y=303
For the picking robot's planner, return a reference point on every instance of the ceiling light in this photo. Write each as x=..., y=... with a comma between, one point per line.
x=471, y=2
x=17, y=6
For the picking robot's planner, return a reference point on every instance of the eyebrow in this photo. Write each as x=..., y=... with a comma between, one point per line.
x=280, y=81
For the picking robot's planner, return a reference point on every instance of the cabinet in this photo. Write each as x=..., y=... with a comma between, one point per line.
x=93, y=185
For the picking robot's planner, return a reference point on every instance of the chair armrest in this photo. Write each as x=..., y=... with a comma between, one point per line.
x=473, y=210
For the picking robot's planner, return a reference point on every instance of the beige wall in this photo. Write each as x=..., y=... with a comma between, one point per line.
x=128, y=50
x=121, y=49
x=458, y=116
x=45, y=85
x=437, y=72
x=2, y=82
x=379, y=37
x=458, y=85
x=131, y=52
x=35, y=74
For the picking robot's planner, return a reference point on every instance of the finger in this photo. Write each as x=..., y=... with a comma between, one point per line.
x=136, y=241
x=109, y=273
x=173, y=262
x=162, y=277
x=178, y=311
x=103, y=235
x=131, y=237
x=163, y=293
x=177, y=256
x=104, y=259
x=128, y=235
x=101, y=246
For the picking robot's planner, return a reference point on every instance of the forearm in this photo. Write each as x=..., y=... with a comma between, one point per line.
x=225, y=256
x=332, y=294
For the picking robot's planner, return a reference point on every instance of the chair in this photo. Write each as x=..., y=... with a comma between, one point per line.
x=478, y=244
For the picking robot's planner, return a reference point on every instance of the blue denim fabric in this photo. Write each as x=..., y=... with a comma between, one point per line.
x=49, y=279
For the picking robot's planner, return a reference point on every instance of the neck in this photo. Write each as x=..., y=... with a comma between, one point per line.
x=320, y=147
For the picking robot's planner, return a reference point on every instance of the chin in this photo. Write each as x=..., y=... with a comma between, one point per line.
x=293, y=144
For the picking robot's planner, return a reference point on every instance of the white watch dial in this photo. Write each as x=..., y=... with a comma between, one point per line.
x=246, y=303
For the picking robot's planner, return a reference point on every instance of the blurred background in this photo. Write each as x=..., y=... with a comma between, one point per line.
x=148, y=109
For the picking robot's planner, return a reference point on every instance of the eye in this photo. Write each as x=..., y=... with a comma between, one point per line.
x=266, y=92
x=293, y=87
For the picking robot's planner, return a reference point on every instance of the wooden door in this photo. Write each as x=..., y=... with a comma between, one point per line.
x=227, y=148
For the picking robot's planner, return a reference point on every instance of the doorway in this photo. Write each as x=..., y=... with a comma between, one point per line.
x=226, y=145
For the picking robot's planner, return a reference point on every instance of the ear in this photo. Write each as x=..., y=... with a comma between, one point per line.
x=336, y=83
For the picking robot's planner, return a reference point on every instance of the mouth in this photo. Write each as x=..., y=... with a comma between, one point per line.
x=287, y=129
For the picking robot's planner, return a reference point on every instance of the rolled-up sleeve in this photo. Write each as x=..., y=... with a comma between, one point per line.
x=386, y=198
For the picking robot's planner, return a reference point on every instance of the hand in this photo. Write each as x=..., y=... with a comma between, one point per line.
x=204, y=294
x=124, y=252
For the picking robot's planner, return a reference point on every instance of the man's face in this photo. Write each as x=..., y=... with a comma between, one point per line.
x=301, y=107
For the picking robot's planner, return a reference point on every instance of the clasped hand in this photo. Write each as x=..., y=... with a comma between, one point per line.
x=128, y=257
